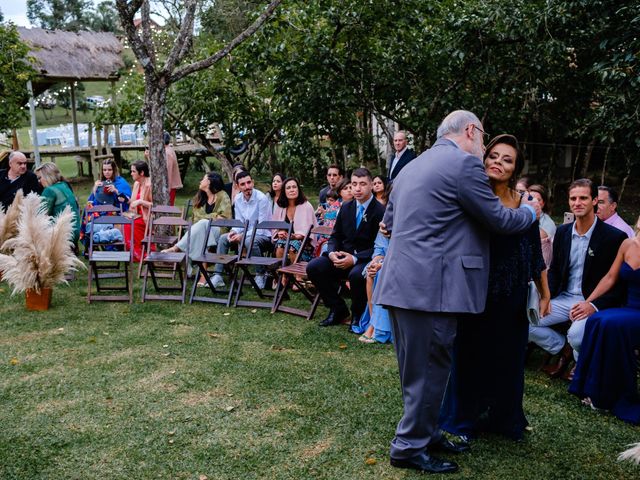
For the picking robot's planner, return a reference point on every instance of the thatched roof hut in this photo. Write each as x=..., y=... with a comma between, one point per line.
x=73, y=56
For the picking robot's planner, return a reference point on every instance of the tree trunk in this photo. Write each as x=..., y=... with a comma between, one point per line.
x=626, y=177
x=587, y=158
x=576, y=160
x=604, y=165
x=155, y=97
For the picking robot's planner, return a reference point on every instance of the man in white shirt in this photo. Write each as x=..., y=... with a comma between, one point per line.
x=252, y=205
x=402, y=156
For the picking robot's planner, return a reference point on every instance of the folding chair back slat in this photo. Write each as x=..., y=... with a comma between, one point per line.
x=296, y=274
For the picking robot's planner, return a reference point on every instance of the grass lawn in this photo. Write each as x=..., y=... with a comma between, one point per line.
x=163, y=390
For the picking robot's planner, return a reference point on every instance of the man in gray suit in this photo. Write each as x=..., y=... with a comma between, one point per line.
x=436, y=270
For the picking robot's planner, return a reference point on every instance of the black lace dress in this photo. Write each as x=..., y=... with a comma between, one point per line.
x=486, y=386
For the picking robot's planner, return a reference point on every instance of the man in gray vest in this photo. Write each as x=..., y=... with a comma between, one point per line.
x=436, y=270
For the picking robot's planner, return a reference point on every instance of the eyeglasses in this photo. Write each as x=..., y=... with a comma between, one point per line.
x=473, y=125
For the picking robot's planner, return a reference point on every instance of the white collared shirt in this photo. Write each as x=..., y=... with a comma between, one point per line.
x=396, y=159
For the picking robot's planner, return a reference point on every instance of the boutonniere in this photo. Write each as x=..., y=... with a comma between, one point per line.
x=590, y=252
x=364, y=217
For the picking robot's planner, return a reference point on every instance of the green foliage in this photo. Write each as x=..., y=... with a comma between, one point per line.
x=59, y=14
x=14, y=74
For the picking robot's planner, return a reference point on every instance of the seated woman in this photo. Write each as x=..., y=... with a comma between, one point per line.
x=375, y=325
x=57, y=194
x=293, y=207
x=606, y=373
x=381, y=188
x=276, y=190
x=547, y=227
x=110, y=189
x=140, y=204
x=211, y=202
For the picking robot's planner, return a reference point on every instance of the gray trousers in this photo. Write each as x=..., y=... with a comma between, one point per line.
x=259, y=244
x=423, y=342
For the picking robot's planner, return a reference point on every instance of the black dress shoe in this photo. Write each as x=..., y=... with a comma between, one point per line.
x=334, y=318
x=425, y=463
x=446, y=445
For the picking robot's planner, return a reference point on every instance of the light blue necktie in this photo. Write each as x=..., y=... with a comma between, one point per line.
x=359, y=215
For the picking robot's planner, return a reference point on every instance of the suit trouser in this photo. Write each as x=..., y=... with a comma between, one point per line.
x=424, y=344
x=552, y=341
x=326, y=278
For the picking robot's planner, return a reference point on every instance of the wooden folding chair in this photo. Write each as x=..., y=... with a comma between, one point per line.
x=269, y=263
x=160, y=239
x=110, y=260
x=296, y=274
x=207, y=260
x=173, y=262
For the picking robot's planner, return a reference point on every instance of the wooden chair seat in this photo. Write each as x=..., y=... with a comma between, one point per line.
x=169, y=263
x=109, y=256
x=207, y=260
x=269, y=263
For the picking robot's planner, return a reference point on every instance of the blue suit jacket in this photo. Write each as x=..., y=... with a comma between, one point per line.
x=440, y=212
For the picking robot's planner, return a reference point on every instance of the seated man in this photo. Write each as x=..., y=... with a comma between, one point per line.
x=334, y=177
x=583, y=252
x=349, y=249
x=607, y=210
x=253, y=205
x=17, y=177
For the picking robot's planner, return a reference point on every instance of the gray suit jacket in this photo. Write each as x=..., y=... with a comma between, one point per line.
x=440, y=212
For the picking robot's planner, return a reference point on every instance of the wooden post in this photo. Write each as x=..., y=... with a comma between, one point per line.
x=34, y=129
x=74, y=116
x=116, y=128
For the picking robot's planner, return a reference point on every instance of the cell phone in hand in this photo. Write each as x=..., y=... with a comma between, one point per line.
x=569, y=217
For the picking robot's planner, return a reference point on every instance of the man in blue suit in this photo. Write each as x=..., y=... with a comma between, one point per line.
x=436, y=270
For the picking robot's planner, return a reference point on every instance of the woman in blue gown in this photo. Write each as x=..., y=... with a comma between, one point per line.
x=606, y=373
x=486, y=386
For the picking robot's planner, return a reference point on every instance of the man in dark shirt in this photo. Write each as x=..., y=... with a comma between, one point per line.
x=17, y=177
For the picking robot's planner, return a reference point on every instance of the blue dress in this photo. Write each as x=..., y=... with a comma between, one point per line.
x=607, y=366
x=486, y=386
x=380, y=319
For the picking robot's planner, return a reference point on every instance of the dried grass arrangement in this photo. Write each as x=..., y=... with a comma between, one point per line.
x=41, y=251
x=9, y=221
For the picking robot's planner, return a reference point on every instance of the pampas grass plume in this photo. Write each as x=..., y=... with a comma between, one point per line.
x=42, y=249
x=632, y=454
x=9, y=220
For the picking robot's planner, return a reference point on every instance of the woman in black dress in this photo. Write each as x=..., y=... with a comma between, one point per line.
x=486, y=386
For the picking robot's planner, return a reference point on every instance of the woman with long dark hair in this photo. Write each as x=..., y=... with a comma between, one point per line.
x=486, y=386
x=381, y=188
x=140, y=205
x=293, y=207
x=276, y=190
x=210, y=202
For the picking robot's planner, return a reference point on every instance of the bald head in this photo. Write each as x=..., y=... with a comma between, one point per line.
x=17, y=164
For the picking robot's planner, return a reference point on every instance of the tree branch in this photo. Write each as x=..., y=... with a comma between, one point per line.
x=216, y=57
x=127, y=13
x=182, y=44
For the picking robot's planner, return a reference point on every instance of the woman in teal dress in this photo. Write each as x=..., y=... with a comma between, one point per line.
x=57, y=194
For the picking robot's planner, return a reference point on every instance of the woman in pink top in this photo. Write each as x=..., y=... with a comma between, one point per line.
x=293, y=207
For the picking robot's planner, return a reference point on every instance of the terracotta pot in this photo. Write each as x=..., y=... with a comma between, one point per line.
x=38, y=301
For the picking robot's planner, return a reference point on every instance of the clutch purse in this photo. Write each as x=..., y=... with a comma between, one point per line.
x=533, y=304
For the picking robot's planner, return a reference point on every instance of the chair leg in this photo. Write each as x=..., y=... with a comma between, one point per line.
x=314, y=306
x=144, y=284
x=128, y=280
x=195, y=283
x=280, y=292
x=183, y=280
x=89, y=286
x=236, y=284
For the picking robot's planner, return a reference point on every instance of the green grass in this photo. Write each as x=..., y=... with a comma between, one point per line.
x=163, y=390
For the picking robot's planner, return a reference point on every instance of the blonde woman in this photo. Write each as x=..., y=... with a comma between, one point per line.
x=57, y=194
